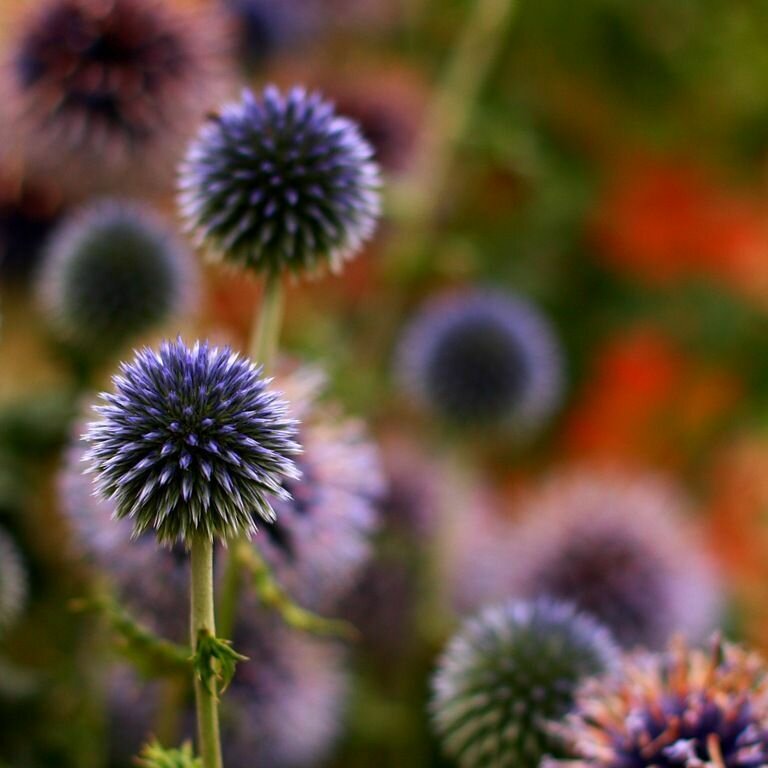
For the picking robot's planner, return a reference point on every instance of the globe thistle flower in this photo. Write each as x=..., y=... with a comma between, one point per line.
x=280, y=182
x=321, y=538
x=110, y=87
x=685, y=708
x=482, y=358
x=303, y=682
x=29, y=211
x=13, y=582
x=507, y=673
x=191, y=443
x=111, y=272
x=616, y=545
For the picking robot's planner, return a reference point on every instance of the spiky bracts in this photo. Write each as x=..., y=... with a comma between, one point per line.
x=680, y=709
x=279, y=182
x=111, y=272
x=506, y=674
x=482, y=359
x=322, y=536
x=107, y=83
x=13, y=582
x=191, y=443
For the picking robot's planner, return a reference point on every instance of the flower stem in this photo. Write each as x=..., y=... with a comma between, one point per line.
x=263, y=350
x=447, y=121
x=267, y=321
x=202, y=621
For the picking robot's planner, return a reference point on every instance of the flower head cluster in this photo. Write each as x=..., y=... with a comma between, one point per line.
x=13, y=581
x=111, y=272
x=507, y=673
x=321, y=538
x=617, y=546
x=481, y=359
x=102, y=82
x=192, y=443
x=679, y=709
x=280, y=182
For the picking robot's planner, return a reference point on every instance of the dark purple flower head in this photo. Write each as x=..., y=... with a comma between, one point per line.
x=103, y=84
x=482, y=359
x=280, y=182
x=191, y=443
x=111, y=272
x=507, y=673
x=263, y=29
x=680, y=709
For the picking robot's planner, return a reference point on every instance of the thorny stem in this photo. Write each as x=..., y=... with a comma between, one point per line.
x=201, y=622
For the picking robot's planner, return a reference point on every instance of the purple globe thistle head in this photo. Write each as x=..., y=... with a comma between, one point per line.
x=13, y=582
x=110, y=87
x=29, y=211
x=280, y=182
x=679, y=709
x=111, y=272
x=192, y=443
x=509, y=671
x=263, y=30
x=293, y=679
x=482, y=359
x=150, y=581
x=618, y=546
x=322, y=536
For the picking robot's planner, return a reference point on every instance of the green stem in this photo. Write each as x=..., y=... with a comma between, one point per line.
x=447, y=120
x=202, y=622
x=267, y=321
x=262, y=350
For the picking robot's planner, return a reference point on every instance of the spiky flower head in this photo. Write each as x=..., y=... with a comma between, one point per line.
x=154, y=756
x=109, y=85
x=191, y=443
x=680, y=709
x=111, y=272
x=13, y=581
x=619, y=546
x=322, y=537
x=280, y=182
x=482, y=358
x=507, y=673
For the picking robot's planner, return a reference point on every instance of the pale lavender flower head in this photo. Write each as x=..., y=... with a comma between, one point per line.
x=192, y=443
x=615, y=544
x=482, y=359
x=506, y=673
x=321, y=538
x=279, y=182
